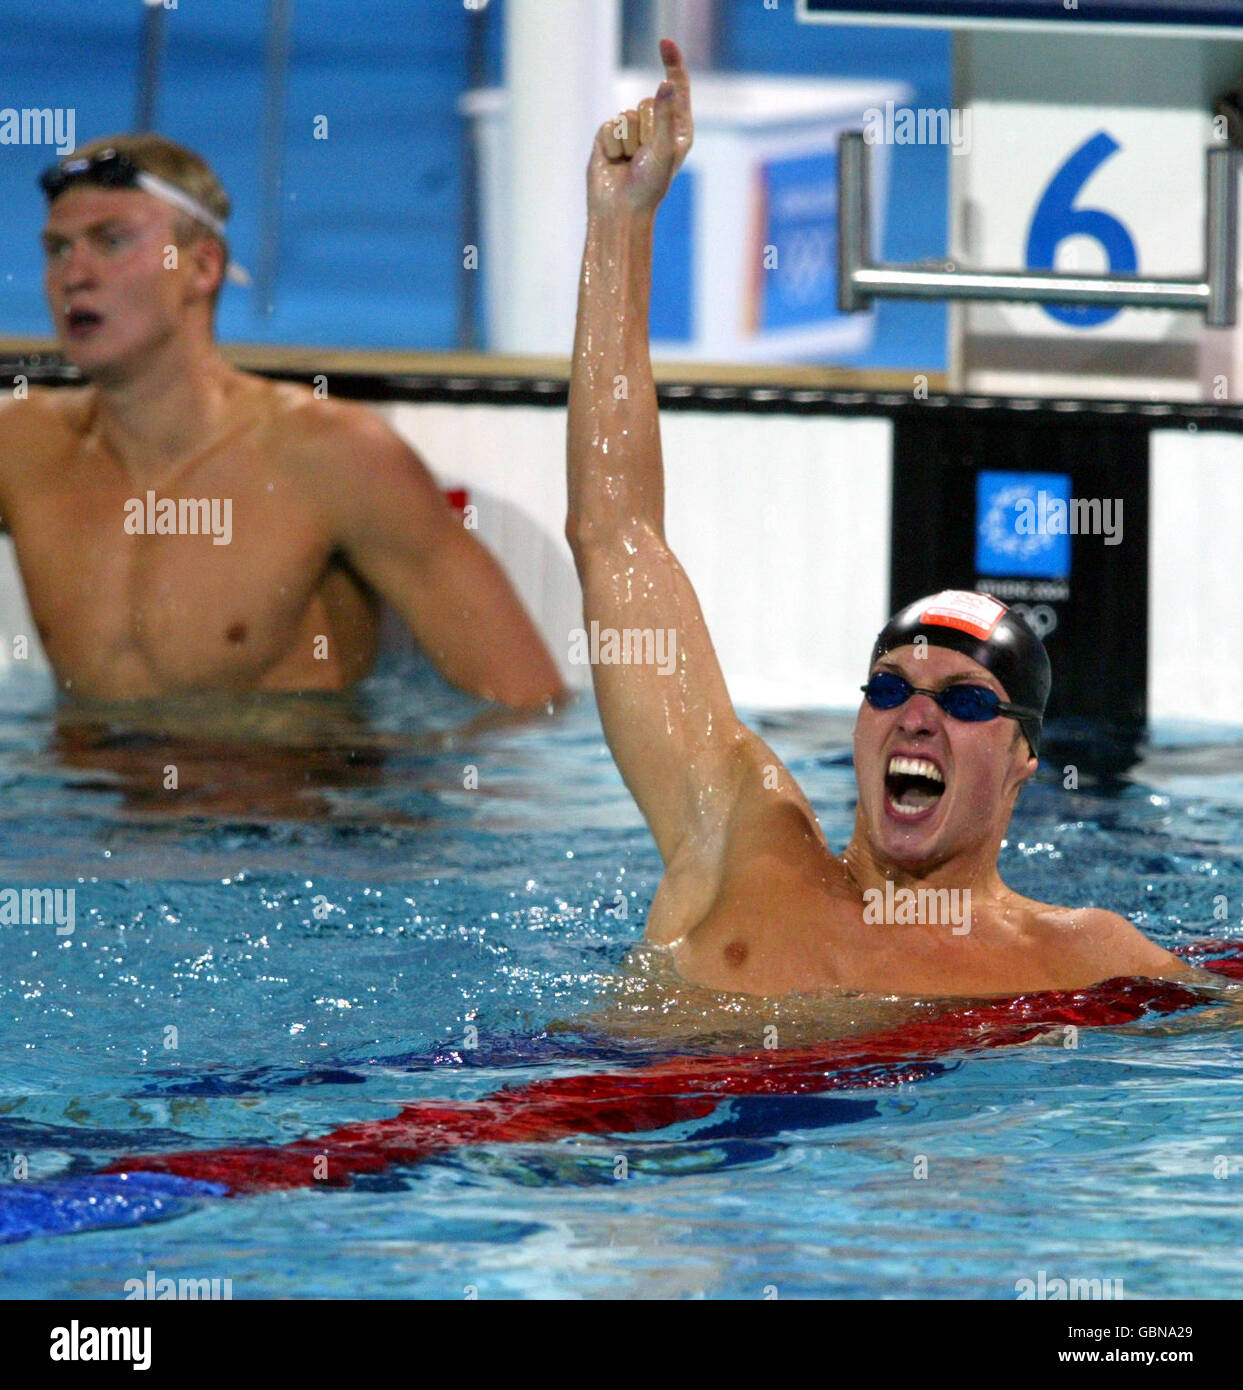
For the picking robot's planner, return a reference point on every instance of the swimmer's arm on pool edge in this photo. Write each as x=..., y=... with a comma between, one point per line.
x=704, y=782
x=388, y=518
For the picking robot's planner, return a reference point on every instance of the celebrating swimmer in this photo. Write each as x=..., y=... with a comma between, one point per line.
x=303, y=513
x=753, y=899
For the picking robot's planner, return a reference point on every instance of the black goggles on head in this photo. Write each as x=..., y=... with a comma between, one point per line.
x=109, y=169
x=973, y=704
x=112, y=169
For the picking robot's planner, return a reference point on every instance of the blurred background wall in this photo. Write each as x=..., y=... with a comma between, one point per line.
x=367, y=225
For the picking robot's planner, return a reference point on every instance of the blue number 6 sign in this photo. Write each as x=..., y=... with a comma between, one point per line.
x=1057, y=218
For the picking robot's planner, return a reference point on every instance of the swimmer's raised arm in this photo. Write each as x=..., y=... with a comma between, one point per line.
x=387, y=516
x=670, y=723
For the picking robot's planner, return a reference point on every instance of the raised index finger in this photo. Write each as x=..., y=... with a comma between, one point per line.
x=677, y=101
x=671, y=56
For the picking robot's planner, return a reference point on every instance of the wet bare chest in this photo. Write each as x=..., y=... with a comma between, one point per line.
x=824, y=943
x=201, y=581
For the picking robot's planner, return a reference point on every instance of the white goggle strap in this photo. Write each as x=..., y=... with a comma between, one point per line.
x=169, y=193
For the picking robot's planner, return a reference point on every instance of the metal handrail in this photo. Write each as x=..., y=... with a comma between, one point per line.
x=276, y=71
x=150, y=49
x=860, y=279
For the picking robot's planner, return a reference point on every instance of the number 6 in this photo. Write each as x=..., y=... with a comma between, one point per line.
x=1056, y=218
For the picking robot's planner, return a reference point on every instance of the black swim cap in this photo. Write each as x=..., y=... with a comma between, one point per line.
x=981, y=628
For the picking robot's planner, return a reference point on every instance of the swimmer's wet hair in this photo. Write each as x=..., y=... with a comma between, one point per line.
x=184, y=169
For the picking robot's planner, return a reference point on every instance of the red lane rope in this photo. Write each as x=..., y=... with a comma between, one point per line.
x=669, y=1092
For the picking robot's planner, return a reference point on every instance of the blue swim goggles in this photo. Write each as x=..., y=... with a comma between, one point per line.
x=973, y=704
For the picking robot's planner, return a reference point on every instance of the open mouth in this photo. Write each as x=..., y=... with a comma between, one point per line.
x=913, y=787
x=81, y=323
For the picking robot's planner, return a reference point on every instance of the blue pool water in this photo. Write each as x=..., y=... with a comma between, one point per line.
x=320, y=919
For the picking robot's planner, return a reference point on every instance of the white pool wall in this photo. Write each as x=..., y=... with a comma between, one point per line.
x=782, y=524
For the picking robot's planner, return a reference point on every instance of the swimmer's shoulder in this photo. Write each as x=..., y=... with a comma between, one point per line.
x=35, y=430
x=45, y=414
x=314, y=428
x=339, y=454
x=1099, y=942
